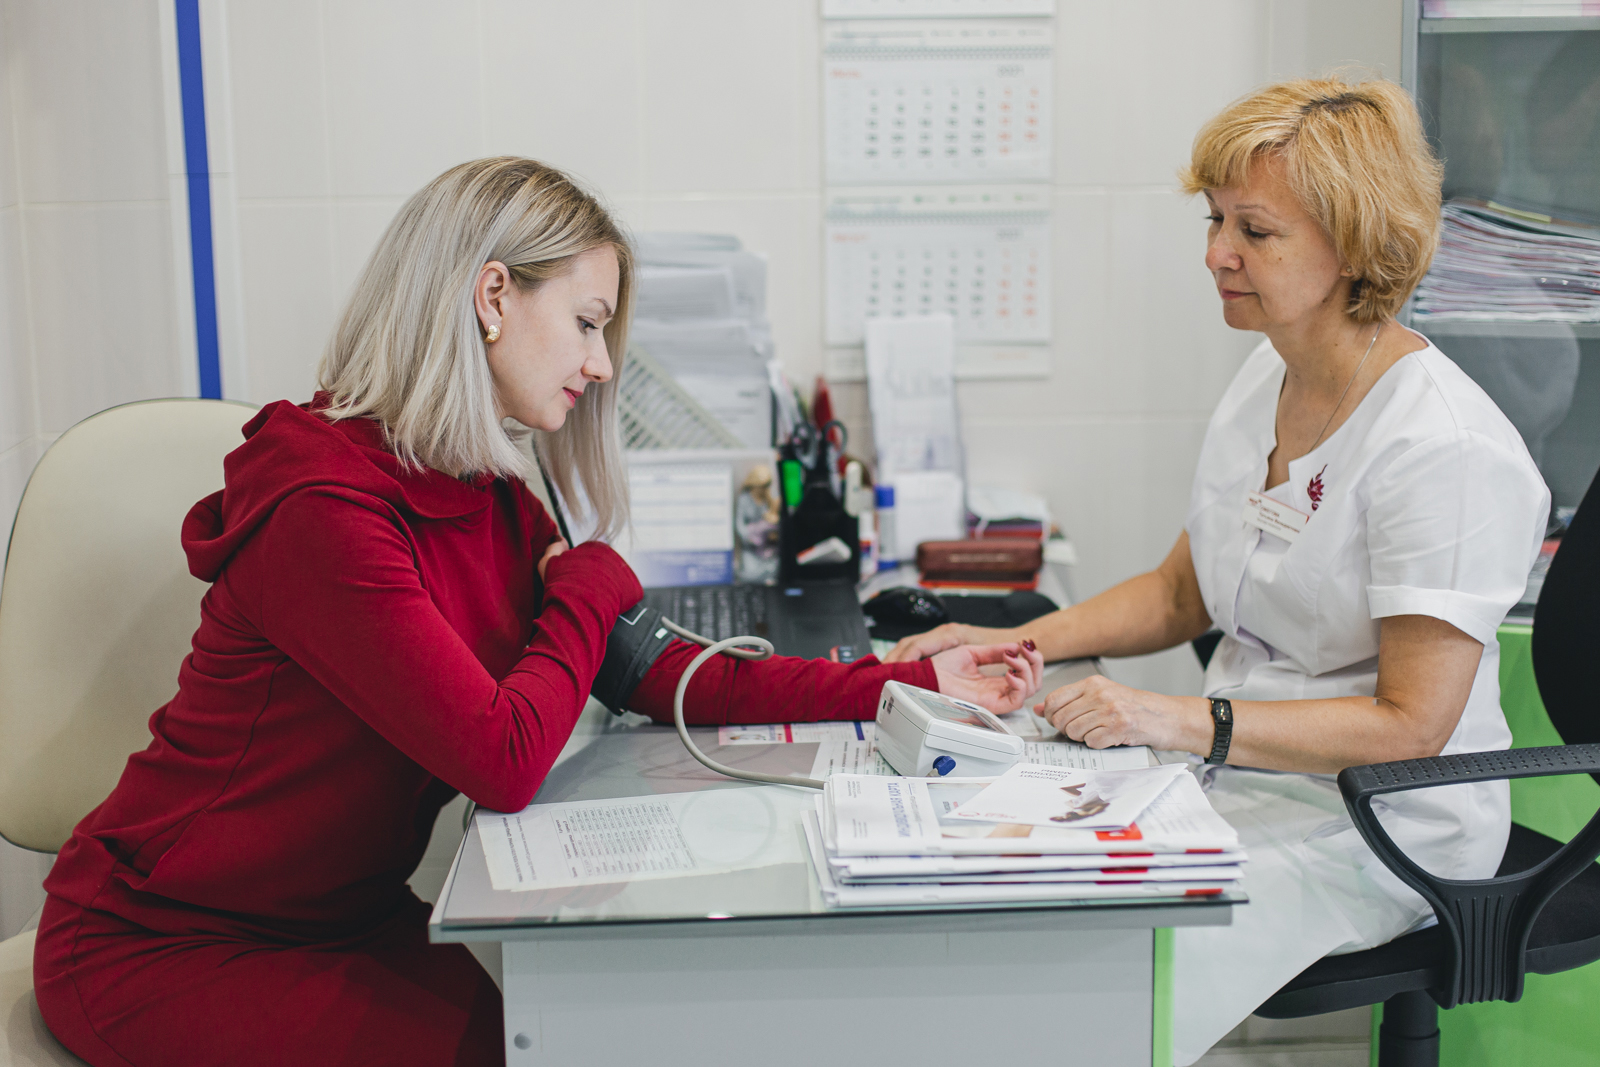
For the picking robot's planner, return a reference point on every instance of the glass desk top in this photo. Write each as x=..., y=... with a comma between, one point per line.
x=758, y=829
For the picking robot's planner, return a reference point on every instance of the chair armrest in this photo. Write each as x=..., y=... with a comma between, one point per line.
x=1488, y=920
x=1376, y=778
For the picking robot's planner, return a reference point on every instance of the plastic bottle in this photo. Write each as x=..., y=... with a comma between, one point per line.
x=888, y=549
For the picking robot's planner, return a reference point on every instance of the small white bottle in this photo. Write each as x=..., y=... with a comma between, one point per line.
x=888, y=548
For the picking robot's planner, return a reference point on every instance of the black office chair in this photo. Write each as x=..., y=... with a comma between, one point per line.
x=1541, y=912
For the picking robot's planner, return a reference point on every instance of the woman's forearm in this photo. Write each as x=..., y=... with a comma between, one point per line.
x=1129, y=619
x=1425, y=673
x=780, y=689
x=1309, y=736
x=1146, y=613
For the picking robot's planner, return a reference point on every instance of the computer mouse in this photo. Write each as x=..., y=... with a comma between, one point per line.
x=903, y=611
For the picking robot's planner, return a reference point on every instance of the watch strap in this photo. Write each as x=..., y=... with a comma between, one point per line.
x=1222, y=722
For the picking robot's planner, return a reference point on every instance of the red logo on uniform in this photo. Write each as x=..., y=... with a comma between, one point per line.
x=1314, y=488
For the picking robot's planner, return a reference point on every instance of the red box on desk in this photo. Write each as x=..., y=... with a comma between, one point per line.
x=1007, y=562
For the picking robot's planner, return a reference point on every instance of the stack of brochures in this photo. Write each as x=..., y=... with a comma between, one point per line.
x=1037, y=833
x=1496, y=262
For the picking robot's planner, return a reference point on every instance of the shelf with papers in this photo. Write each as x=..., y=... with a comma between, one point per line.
x=1510, y=97
x=1524, y=24
x=1508, y=328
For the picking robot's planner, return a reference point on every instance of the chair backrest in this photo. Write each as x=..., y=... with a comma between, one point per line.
x=97, y=607
x=1566, y=628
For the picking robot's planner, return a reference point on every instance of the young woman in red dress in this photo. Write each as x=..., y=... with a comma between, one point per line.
x=392, y=619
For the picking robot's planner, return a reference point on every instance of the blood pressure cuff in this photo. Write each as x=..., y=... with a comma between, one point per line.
x=636, y=642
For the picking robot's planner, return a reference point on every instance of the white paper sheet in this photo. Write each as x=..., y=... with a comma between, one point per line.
x=778, y=733
x=1036, y=795
x=927, y=507
x=682, y=523
x=854, y=867
x=911, y=390
x=848, y=756
x=1218, y=874
x=840, y=895
x=597, y=842
x=1064, y=753
x=864, y=819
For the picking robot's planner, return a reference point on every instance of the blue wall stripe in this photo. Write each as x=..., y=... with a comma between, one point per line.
x=197, y=167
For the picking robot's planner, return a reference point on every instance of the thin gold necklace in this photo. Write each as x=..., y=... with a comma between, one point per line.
x=1347, y=386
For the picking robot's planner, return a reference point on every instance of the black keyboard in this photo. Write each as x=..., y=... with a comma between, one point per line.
x=714, y=611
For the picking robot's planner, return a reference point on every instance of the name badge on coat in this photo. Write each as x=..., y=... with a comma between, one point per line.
x=1273, y=516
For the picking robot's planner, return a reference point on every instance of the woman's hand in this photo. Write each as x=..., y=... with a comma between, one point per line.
x=950, y=635
x=959, y=676
x=558, y=546
x=1102, y=713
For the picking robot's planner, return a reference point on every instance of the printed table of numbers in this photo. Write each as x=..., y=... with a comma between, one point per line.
x=937, y=101
x=986, y=264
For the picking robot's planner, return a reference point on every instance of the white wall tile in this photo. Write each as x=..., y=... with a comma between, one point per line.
x=729, y=100
x=1138, y=326
x=16, y=364
x=1118, y=486
x=8, y=158
x=16, y=464
x=88, y=100
x=403, y=98
x=1311, y=38
x=562, y=84
x=1177, y=353
x=290, y=299
x=357, y=225
x=1134, y=82
x=280, y=118
x=115, y=261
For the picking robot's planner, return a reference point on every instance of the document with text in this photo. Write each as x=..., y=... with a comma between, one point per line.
x=595, y=842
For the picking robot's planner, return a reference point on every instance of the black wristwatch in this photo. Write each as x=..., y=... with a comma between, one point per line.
x=1222, y=719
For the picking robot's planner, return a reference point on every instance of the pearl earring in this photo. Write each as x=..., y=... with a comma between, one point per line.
x=493, y=335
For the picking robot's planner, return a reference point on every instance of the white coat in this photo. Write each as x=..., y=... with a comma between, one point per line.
x=1424, y=502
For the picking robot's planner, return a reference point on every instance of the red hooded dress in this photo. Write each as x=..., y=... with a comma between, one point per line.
x=374, y=641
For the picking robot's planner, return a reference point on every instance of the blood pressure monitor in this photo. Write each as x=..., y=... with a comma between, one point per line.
x=923, y=734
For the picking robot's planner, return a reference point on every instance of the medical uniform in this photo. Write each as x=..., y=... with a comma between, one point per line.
x=1424, y=502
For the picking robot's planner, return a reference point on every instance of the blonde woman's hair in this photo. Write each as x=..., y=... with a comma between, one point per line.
x=408, y=350
x=1356, y=157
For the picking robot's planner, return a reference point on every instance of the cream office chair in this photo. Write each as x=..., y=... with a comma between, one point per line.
x=96, y=613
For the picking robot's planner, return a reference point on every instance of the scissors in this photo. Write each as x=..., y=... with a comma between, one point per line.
x=808, y=442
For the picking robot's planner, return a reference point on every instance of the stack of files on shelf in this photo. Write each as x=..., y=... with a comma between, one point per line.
x=1503, y=9
x=996, y=512
x=700, y=311
x=881, y=841
x=1500, y=263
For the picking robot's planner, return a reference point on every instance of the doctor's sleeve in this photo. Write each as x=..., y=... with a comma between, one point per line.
x=1453, y=527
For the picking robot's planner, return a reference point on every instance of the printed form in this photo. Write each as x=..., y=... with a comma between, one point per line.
x=852, y=756
x=594, y=842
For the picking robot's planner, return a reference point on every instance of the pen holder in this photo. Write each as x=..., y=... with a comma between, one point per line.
x=818, y=517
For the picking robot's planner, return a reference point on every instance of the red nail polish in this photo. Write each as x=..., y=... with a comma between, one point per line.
x=1028, y=644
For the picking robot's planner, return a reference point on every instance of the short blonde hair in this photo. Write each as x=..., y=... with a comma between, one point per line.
x=409, y=351
x=1356, y=156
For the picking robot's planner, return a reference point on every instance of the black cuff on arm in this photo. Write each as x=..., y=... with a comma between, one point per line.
x=636, y=642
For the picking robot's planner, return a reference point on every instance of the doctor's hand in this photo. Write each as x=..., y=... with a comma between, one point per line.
x=957, y=670
x=1102, y=713
x=936, y=640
